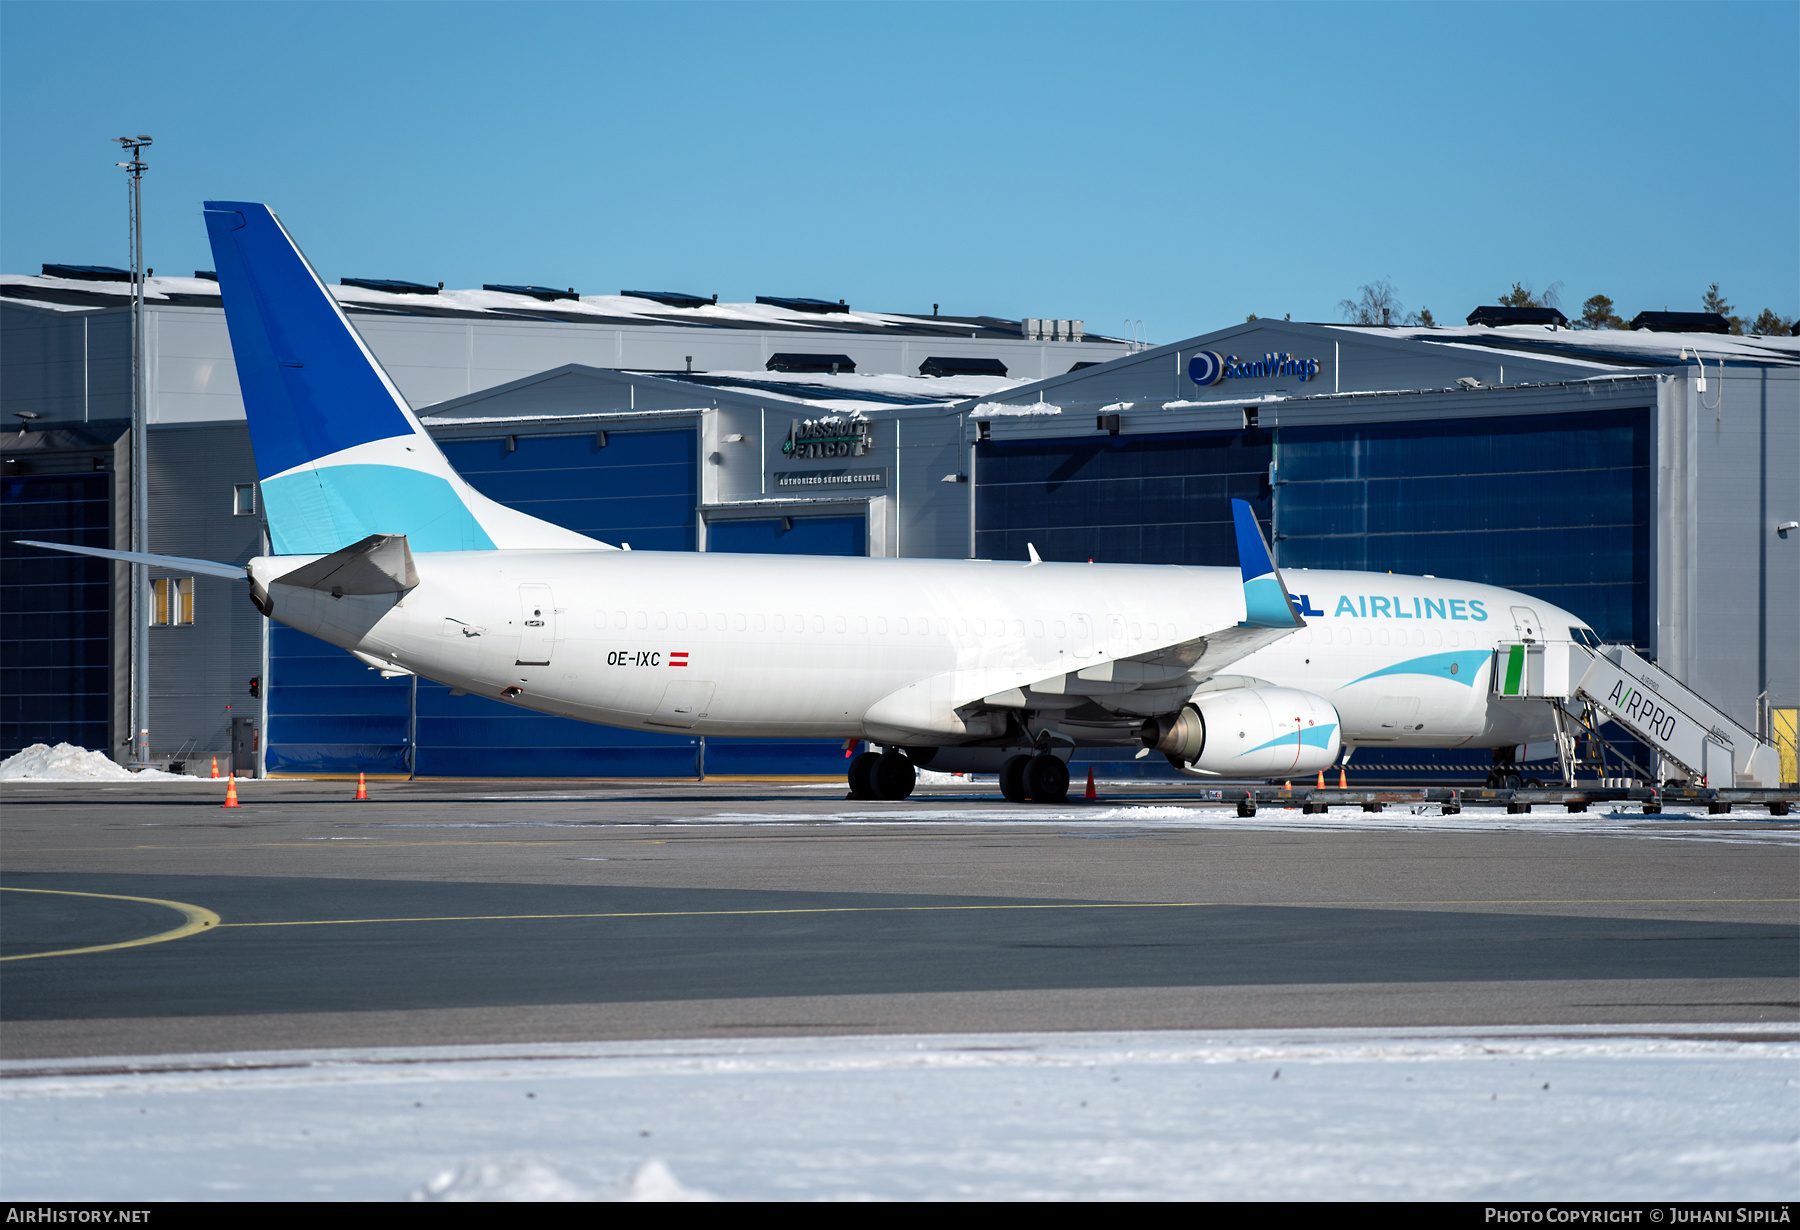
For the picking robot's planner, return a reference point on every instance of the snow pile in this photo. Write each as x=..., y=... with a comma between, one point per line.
x=927, y=777
x=1000, y=409
x=67, y=763
x=527, y=1181
x=486, y=1180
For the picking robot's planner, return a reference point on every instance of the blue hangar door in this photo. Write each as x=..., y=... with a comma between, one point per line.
x=55, y=612
x=1141, y=499
x=328, y=713
x=797, y=535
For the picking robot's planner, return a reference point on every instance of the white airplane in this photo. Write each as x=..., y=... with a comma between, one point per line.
x=380, y=547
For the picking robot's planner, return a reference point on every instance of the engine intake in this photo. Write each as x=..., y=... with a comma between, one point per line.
x=1248, y=732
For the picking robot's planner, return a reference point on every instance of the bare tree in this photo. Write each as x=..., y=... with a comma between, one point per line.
x=1377, y=304
x=1521, y=295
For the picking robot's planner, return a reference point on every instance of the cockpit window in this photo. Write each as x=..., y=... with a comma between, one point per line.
x=1584, y=636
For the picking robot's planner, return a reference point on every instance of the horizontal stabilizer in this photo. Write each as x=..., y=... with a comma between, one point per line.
x=174, y=563
x=379, y=564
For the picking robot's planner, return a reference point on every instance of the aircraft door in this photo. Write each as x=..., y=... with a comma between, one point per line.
x=537, y=630
x=1525, y=622
x=1084, y=636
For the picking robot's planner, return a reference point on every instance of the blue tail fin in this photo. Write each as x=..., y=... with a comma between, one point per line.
x=339, y=452
x=1266, y=601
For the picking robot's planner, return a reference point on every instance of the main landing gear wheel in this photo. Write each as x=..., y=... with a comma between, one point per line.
x=894, y=777
x=1047, y=779
x=1012, y=779
x=862, y=775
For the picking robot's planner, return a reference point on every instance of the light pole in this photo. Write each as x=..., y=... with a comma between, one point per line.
x=140, y=469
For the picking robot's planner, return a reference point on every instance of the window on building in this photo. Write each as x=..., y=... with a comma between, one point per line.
x=243, y=500
x=172, y=601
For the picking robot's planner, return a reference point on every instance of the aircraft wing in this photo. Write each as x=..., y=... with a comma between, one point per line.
x=1149, y=682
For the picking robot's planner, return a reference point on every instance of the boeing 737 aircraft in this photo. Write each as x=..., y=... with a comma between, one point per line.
x=380, y=547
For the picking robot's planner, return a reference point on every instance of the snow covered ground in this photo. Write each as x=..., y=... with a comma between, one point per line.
x=1595, y=1112
x=67, y=763
x=1745, y=824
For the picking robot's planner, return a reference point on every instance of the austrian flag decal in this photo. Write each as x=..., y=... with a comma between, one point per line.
x=678, y=658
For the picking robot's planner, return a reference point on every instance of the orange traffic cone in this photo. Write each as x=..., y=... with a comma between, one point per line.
x=362, y=790
x=230, y=792
x=1321, y=784
x=1341, y=785
x=1093, y=796
x=1287, y=785
x=215, y=768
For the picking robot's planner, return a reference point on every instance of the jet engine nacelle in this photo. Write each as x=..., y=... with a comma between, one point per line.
x=1249, y=732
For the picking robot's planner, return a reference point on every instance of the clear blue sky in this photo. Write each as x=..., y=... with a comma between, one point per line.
x=1183, y=164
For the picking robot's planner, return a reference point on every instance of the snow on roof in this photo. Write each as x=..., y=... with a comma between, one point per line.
x=72, y=295
x=1606, y=347
x=920, y=389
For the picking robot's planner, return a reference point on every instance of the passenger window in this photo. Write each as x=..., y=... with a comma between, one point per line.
x=759, y=623
x=1418, y=638
x=618, y=619
x=943, y=627
x=1019, y=629
x=1382, y=637
x=662, y=619
x=901, y=626
x=737, y=623
x=1137, y=632
x=1062, y=630
x=881, y=625
x=700, y=621
x=962, y=627
x=643, y=620
x=1437, y=638
x=862, y=625
x=780, y=624
x=1324, y=636
x=1365, y=636
x=719, y=620
x=1037, y=628
x=838, y=624
x=681, y=620
x=1306, y=636
x=818, y=623
x=980, y=627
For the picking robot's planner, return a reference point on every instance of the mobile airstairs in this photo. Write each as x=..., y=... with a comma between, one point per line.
x=1693, y=743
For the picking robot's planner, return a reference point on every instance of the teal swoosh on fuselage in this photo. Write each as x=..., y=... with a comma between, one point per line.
x=1312, y=736
x=1454, y=667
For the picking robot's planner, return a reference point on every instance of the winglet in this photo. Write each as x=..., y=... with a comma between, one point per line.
x=1266, y=601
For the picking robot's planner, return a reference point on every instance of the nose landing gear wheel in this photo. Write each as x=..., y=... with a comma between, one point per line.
x=1047, y=779
x=862, y=774
x=894, y=777
x=1012, y=779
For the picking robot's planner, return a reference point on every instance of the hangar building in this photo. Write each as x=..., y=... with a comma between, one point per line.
x=1638, y=478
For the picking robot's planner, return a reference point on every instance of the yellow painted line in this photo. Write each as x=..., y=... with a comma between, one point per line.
x=199, y=918
x=946, y=909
